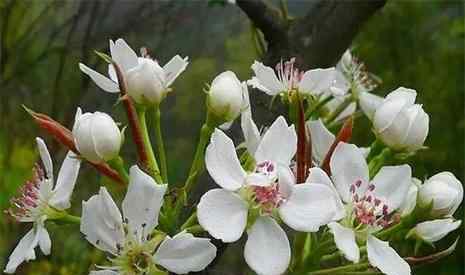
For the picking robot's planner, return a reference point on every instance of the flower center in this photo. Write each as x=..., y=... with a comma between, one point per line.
x=368, y=209
x=267, y=194
x=28, y=205
x=288, y=75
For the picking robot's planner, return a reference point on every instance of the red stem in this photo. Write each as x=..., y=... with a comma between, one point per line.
x=344, y=135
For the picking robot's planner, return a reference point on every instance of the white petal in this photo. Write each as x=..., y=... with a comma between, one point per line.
x=222, y=162
x=279, y=143
x=385, y=258
x=317, y=81
x=409, y=95
x=322, y=139
x=123, y=55
x=105, y=135
x=101, y=222
x=345, y=241
x=65, y=182
x=387, y=113
x=348, y=166
x=410, y=200
x=102, y=81
x=251, y=132
x=432, y=231
x=265, y=79
x=223, y=214
x=257, y=179
x=142, y=202
x=267, y=250
x=174, y=68
x=44, y=239
x=369, y=103
x=418, y=128
x=112, y=73
x=24, y=251
x=309, y=207
x=185, y=253
x=45, y=157
x=318, y=176
x=286, y=181
x=392, y=184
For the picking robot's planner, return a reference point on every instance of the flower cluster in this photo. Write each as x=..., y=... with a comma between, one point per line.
x=303, y=195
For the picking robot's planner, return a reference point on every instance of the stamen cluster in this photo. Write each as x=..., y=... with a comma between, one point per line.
x=288, y=75
x=368, y=209
x=28, y=204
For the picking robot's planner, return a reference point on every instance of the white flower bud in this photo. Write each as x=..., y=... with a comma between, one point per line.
x=225, y=98
x=399, y=122
x=445, y=191
x=146, y=82
x=97, y=137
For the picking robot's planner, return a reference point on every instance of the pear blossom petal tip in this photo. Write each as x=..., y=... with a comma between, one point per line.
x=385, y=258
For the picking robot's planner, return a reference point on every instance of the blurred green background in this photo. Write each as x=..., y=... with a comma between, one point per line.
x=417, y=44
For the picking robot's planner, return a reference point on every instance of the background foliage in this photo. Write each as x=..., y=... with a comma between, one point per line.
x=413, y=44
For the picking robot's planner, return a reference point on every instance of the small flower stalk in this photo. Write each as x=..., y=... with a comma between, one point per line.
x=299, y=192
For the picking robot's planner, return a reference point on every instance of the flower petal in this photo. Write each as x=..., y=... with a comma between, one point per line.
x=286, y=181
x=369, y=103
x=322, y=139
x=44, y=239
x=410, y=200
x=418, y=128
x=142, y=202
x=392, y=184
x=318, y=176
x=123, y=55
x=45, y=157
x=174, y=68
x=385, y=258
x=265, y=79
x=223, y=214
x=345, y=241
x=348, y=166
x=279, y=144
x=251, y=132
x=308, y=207
x=105, y=135
x=432, y=231
x=66, y=180
x=317, y=81
x=102, y=81
x=185, y=253
x=267, y=250
x=222, y=162
x=101, y=222
x=409, y=95
x=24, y=251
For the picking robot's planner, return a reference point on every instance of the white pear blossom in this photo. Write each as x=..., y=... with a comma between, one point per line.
x=322, y=139
x=252, y=136
x=128, y=237
x=260, y=196
x=40, y=200
x=445, y=191
x=226, y=96
x=368, y=206
x=399, y=122
x=147, y=81
x=432, y=231
x=288, y=78
x=96, y=136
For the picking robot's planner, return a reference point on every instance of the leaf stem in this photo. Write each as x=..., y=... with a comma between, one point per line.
x=154, y=171
x=341, y=269
x=160, y=145
x=339, y=109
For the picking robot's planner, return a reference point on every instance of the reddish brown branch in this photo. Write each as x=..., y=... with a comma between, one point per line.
x=344, y=135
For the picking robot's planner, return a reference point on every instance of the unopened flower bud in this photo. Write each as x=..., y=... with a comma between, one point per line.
x=399, y=122
x=225, y=98
x=444, y=191
x=146, y=82
x=433, y=231
x=97, y=137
